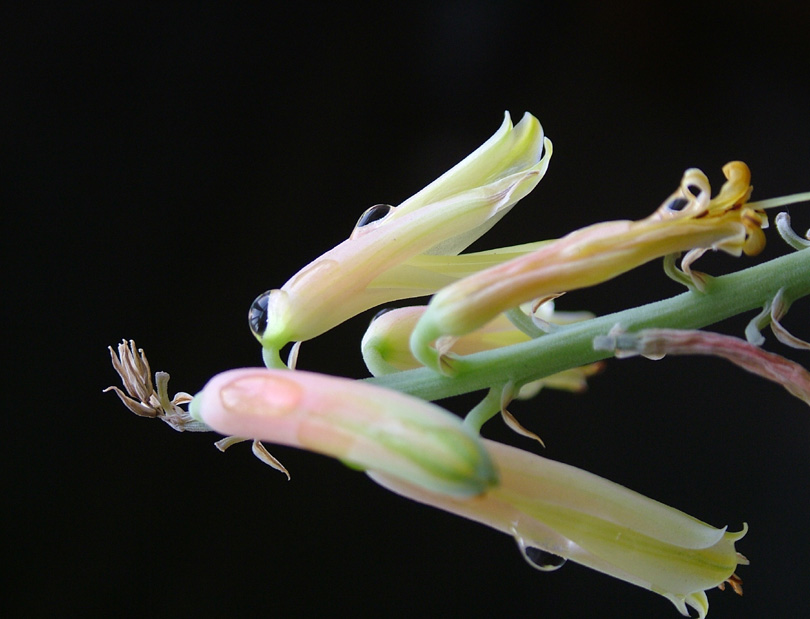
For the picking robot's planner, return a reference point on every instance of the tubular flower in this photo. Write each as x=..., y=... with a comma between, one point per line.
x=657, y=343
x=385, y=344
x=364, y=426
x=408, y=250
x=557, y=512
x=687, y=221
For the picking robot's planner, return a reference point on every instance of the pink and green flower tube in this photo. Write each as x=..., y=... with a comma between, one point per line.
x=362, y=425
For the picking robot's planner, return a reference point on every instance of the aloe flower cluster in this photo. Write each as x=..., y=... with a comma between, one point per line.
x=491, y=325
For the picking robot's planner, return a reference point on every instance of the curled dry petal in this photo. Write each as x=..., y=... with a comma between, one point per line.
x=582, y=517
x=141, y=397
x=687, y=220
x=259, y=450
x=363, y=425
x=772, y=314
x=789, y=235
x=778, y=309
x=132, y=366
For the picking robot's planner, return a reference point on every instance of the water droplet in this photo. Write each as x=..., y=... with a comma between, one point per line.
x=542, y=560
x=384, y=310
x=677, y=204
x=257, y=314
x=372, y=214
x=538, y=558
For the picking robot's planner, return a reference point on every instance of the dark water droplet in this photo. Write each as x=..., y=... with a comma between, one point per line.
x=542, y=560
x=677, y=204
x=257, y=314
x=384, y=310
x=372, y=214
x=538, y=558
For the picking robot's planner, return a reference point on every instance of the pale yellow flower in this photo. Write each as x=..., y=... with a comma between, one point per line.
x=408, y=250
x=422, y=452
x=565, y=513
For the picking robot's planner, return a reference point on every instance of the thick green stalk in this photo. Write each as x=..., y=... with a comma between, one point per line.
x=572, y=346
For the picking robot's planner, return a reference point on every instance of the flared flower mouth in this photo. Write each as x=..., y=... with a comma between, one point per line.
x=563, y=513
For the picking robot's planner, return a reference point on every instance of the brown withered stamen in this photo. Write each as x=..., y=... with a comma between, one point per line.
x=735, y=582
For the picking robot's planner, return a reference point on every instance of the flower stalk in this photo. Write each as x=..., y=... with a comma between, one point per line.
x=572, y=345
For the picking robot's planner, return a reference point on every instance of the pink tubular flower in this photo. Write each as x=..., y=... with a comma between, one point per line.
x=365, y=426
x=657, y=343
x=688, y=221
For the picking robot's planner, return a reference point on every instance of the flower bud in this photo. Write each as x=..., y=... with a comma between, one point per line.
x=363, y=425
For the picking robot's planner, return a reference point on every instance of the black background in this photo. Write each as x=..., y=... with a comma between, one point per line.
x=168, y=164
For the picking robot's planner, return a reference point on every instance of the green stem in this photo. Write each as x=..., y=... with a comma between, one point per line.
x=524, y=323
x=572, y=345
x=485, y=410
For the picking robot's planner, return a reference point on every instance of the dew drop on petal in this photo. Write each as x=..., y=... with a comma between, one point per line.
x=539, y=559
x=372, y=214
x=257, y=314
x=677, y=204
x=542, y=560
x=384, y=310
